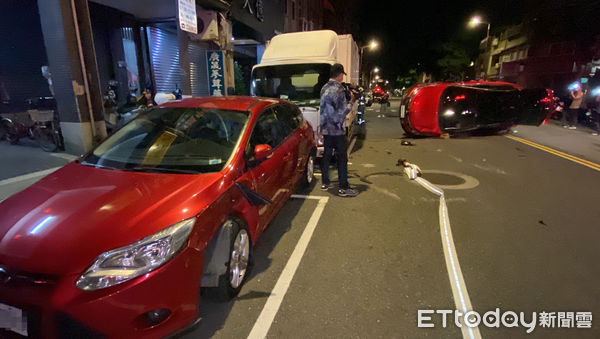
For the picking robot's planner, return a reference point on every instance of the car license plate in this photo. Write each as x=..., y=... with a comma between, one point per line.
x=402, y=111
x=13, y=319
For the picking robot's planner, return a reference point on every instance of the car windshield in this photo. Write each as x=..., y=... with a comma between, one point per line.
x=172, y=140
x=299, y=83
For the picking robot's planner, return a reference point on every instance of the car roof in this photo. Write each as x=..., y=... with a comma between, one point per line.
x=234, y=103
x=472, y=83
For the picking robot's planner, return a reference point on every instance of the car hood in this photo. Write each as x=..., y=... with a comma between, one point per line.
x=63, y=222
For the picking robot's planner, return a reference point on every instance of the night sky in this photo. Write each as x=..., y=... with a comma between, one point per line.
x=412, y=32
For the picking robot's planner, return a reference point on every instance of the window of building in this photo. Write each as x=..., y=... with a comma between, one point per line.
x=495, y=59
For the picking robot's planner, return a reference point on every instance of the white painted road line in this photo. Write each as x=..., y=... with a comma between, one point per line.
x=267, y=315
x=27, y=176
x=457, y=281
x=65, y=156
x=313, y=197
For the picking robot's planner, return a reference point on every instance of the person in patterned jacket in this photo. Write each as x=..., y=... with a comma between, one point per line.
x=334, y=108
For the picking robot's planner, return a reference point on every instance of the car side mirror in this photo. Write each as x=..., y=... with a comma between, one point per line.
x=262, y=152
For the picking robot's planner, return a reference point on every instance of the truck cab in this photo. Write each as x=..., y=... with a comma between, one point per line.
x=295, y=66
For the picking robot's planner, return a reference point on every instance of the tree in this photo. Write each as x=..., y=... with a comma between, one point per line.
x=455, y=62
x=408, y=79
x=240, y=83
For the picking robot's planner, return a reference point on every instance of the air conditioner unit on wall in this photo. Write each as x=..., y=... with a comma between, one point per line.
x=208, y=26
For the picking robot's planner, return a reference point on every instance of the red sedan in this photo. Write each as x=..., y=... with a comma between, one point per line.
x=438, y=108
x=120, y=242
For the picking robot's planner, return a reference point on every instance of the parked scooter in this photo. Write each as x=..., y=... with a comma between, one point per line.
x=135, y=106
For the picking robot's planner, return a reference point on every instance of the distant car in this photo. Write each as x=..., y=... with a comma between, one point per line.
x=119, y=243
x=434, y=109
x=380, y=94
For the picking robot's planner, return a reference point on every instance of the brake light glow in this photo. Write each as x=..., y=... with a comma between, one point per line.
x=460, y=97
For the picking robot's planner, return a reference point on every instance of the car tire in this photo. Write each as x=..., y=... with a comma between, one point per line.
x=3, y=131
x=13, y=138
x=308, y=176
x=238, y=264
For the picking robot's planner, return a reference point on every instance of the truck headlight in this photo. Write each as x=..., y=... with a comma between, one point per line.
x=119, y=265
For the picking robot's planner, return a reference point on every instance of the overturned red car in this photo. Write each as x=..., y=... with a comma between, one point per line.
x=494, y=106
x=120, y=242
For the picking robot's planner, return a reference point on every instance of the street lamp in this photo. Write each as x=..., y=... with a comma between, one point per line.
x=371, y=46
x=373, y=73
x=476, y=21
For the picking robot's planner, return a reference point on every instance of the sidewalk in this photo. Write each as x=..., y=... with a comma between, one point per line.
x=27, y=157
x=23, y=164
x=579, y=142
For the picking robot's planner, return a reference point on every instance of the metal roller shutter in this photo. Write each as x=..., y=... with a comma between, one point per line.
x=164, y=56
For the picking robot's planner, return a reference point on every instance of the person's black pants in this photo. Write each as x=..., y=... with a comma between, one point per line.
x=337, y=143
x=572, y=114
x=596, y=120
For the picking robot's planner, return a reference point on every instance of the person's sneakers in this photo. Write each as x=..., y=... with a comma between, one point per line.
x=572, y=127
x=347, y=192
x=595, y=133
x=324, y=187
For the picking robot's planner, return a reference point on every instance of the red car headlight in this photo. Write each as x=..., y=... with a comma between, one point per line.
x=119, y=265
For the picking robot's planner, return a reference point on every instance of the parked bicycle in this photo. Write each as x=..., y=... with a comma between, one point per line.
x=43, y=128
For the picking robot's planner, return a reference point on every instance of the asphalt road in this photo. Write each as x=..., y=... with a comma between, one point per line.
x=526, y=239
x=524, y=224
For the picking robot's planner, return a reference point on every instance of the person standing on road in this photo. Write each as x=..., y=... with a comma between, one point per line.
x=596, y=111
x=573, y=112
x=334, y=108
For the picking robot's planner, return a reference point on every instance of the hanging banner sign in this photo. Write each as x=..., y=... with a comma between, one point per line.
x=216, y=73
x=187, y=16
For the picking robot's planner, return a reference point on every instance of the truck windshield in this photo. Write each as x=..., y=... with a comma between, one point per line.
x=299, y=83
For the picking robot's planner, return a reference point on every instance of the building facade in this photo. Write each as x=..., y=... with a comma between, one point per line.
x=516, y=55
x=87, y=46
x=303, y=15
x=254, y=22
x=510, y=45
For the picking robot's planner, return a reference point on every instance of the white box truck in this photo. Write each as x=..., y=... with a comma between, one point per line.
x=295, y=66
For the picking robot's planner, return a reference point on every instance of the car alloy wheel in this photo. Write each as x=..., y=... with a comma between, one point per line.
x=240, y=256
x=309, y=172
x=310, y=169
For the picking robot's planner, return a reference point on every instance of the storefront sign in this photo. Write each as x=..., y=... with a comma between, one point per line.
x=187, y=16
x=256, y=9
x=216, y=73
